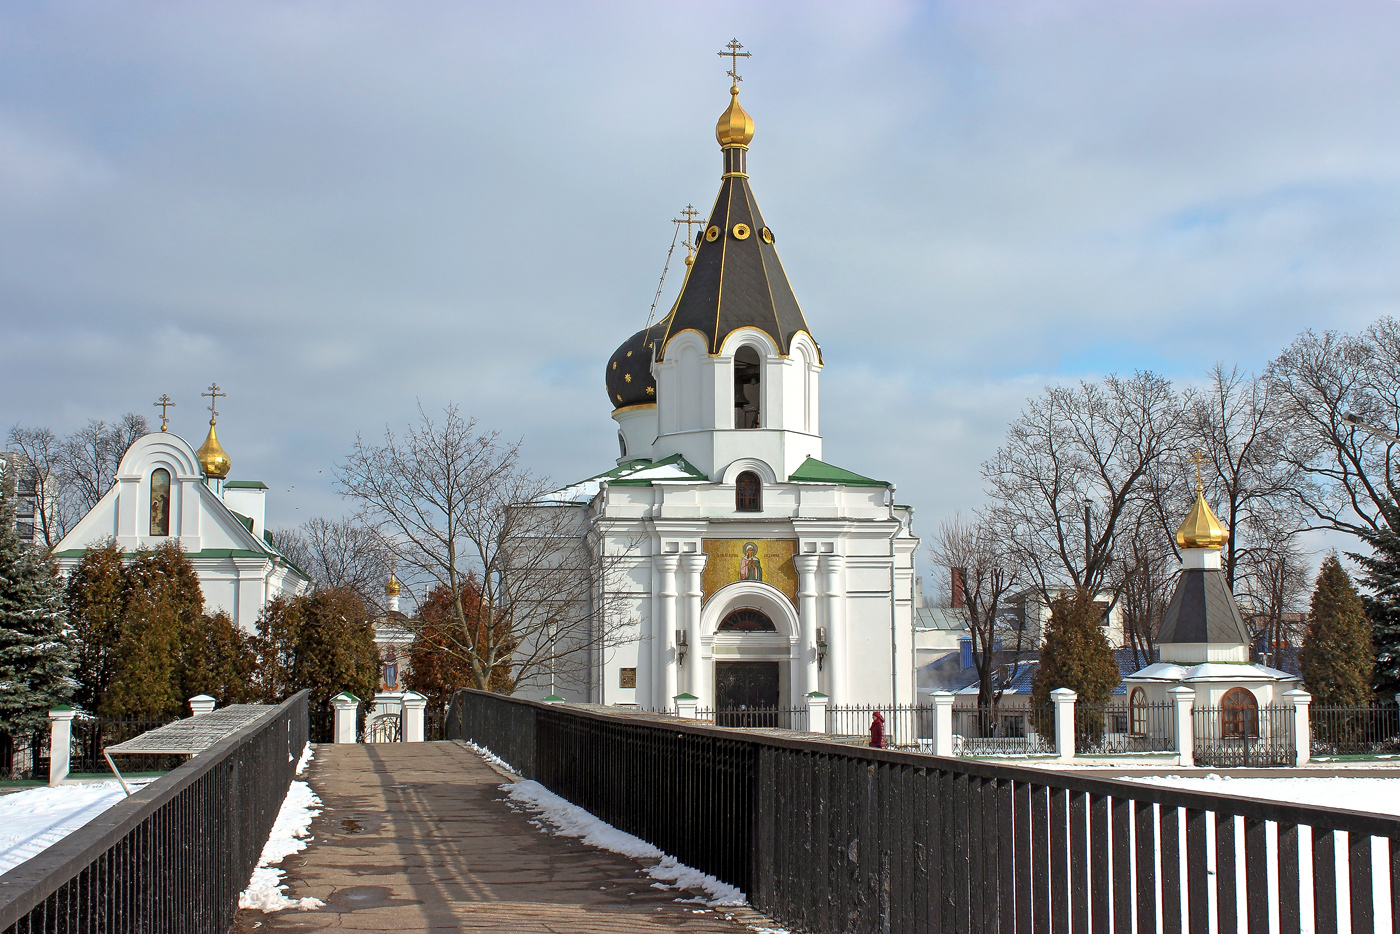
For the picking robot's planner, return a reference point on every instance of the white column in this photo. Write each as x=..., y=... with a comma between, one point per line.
x=1185, y=699
x=942, y=723
x=835, y=591
x=816, y=712
x=414, y=705
x=201, y=703
x=696, y=675
x=60, y=743
x=1302, y=725
x=664, y=633
x=1064, y=699
x=807, y=613
x=345, y=705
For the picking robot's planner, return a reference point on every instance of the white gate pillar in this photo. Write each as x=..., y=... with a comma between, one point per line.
x=414, y=707
x=1064, y=700
x=1184, y=698
x=1302, y=724
x=345, y=704
x=816, y=712
x=201, y=703
x=942, y=723
x=60, y=743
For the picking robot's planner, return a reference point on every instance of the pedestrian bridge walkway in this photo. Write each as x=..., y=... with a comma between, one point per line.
x=417, y=837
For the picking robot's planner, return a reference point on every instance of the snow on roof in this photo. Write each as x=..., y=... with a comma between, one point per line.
x=633, y=473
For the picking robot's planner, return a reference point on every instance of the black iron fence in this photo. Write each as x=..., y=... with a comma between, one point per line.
x=174, y=856
x=27, y=757
x=1120, y=728
x=1355, y=731
x=834, y=838
x=780, y=718
x=904, y=724
x=1234, y=737
x=1011, y=728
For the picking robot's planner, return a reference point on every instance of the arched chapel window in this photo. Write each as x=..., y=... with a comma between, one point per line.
x=1137, y=712
x=747, y=620
x=748, y=389
x=748, y=492
x=160, y=501
x=1239, y=713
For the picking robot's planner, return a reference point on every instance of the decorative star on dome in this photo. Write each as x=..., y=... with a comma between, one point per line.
x=627, y=378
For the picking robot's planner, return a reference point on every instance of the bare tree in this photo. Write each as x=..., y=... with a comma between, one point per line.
x=1144, y=576
x=340, y=553
x=1274, y=584
x=982, y=579
x=1341, y=398
x=43, y=452
x=454, y=506
x=1073, y=463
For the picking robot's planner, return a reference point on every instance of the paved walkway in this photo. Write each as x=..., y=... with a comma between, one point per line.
x=417, y=837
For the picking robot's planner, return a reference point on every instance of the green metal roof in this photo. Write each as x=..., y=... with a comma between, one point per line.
x=244, y=485
x=815, y=471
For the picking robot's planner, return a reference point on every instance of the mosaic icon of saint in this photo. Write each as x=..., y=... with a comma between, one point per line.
x=750, y=568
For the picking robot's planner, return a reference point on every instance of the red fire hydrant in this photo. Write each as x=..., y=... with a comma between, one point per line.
x=877, y=730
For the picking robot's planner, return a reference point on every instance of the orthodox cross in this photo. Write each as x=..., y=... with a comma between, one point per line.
x=213, y=393
x=1199, y=457
x=164, y=403
x=690, y=218
x=734, y=54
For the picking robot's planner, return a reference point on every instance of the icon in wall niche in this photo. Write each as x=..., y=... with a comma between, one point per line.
x=750, y=565
x=760, y=560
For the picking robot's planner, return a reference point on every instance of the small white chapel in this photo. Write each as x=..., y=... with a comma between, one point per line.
x=754, y=572
x=166, y=490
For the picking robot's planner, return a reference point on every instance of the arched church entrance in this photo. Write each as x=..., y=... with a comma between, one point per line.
x=746, y=693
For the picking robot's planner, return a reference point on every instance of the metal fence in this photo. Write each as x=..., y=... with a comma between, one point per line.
x=1355, y=731
x=175, y=855
x=27, y=757
x=1233, y=737
x=905, y=724
x=1008, y=729
x=780, y=718
x=833, y=838
x=1121, y=728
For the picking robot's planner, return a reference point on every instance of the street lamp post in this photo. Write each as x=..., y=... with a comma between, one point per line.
x=1356, y=421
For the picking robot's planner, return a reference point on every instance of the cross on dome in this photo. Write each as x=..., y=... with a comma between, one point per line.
x=164, y=403
x=213, y=393
x=734, y=53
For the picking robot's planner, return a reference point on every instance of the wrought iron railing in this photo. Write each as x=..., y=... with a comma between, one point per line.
x=1233, y=737
x=780, y=718
x=1011, y=728
x=836, y=838
x=175, y=855
x=1120, y=728
x=1355, y=731
x=905, y=724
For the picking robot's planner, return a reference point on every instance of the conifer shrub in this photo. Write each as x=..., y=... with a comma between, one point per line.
x=1380, y=573
x=322, y=641
x=1075, y=655
x=1337, y=658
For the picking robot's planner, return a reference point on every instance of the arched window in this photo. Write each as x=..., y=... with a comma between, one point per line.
x=160, y=501
x=1239, y=713
x=748, y=492
x=748, y=389
x=622, y=443
x=1137, y=712
x=747, y=620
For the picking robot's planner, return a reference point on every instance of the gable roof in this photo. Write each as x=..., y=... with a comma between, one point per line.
x=814, y=471
x=632, y=473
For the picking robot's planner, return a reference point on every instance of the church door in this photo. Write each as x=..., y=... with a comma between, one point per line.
x=746, y=693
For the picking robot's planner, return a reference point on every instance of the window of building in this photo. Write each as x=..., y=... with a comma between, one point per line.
x=160, y=501
x=748, y=492
x=1137, y=712
x=748, y=389
x=747, y=620
x=1239, y=714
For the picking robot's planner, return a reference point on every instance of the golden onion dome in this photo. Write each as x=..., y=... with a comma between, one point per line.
x=735, y=127
x=1201, y=528
x=212, y=456
x=393, y=588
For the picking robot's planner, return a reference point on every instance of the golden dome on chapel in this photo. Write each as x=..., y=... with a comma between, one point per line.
x=212, y=456
x=735, y=126
x=1201, y=529
x=393, y=588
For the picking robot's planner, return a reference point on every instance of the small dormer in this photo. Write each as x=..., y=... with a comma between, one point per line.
x=248, y=498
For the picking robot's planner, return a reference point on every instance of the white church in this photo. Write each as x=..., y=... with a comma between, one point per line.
x=754, y=573
x=168, y=491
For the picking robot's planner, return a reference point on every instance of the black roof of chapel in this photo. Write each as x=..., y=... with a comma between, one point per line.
x=1202, y=610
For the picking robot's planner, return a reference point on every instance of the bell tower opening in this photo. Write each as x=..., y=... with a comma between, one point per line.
x=748, y=388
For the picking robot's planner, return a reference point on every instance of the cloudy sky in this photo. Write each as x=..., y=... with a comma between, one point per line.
x=338, y=209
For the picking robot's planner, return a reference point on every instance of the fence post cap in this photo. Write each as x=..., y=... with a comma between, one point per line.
x=344, y=699
x=1181, y=690
x=685, y=696
x=817, y=695
x=1064, y=694
x=62, y=712
x=201, y=697
x=554, y=699
x=414, y=699
x=1298, y=697
x=942, y=697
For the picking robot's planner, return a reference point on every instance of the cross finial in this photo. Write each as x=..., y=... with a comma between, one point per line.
x=734, y=53
x=1199, y=457
x=690, y=218
x=213, y=393
x=164, y=403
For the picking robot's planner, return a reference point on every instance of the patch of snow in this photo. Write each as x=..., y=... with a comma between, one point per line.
x=35, y=819
x=290, y=834
x=570, y=820
x=306, y=756
x=1372, y=795
x=490, y=757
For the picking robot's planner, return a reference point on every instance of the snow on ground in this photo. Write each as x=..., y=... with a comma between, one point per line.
x=36, y=818
x=290, y=834
x=1372, y=795
x=490, y=757
x=569, y=820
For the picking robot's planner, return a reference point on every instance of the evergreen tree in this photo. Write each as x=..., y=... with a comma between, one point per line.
x=35, y=659
x=145, y=664
x=1381, y=575
x=323, y=641
x=218, y=659
x=1076, y=655
x=96, y=599
x=1336, y=658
